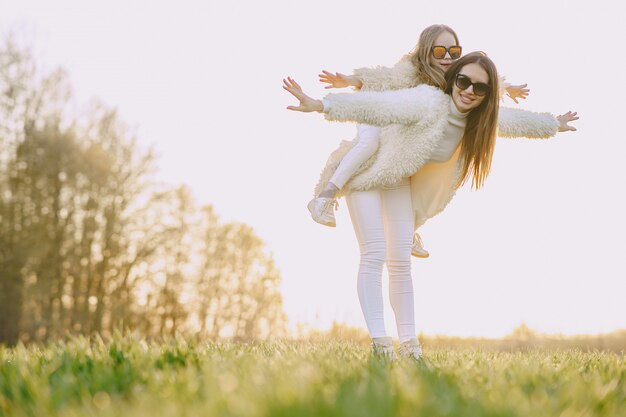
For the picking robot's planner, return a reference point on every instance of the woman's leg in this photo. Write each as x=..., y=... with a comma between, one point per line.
x=365, y=209
x=363, y=149
x=398, y=221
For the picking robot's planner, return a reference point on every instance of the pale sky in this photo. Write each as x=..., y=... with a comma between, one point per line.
x=542, y=243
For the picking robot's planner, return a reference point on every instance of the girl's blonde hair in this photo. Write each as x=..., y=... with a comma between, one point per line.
x=479, y=138
x=425, y=73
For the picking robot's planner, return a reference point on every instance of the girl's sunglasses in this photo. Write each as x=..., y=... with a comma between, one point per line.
x=439, y=52
x=463, y=82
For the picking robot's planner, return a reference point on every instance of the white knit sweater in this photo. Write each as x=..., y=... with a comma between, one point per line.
x=452, y=135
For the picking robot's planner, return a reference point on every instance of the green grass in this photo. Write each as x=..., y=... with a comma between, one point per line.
x=130, y=377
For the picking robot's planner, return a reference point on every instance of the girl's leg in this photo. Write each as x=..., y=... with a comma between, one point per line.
x=399, y=220
x=365, y=209
x=366, y=146
x=323, y=207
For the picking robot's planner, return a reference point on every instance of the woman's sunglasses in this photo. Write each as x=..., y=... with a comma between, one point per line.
x=463, y=82
x=439, y=52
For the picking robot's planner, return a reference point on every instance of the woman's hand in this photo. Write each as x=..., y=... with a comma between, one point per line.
x=564, y=119
x=307, y=104
x=517, y=92
x=339, y=80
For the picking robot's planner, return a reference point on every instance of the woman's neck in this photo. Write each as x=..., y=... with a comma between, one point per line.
x=454, y=110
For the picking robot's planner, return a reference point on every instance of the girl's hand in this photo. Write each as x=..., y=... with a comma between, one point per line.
x=339, y=80
x=307, y=104
x=564, y=119
x=517, y=92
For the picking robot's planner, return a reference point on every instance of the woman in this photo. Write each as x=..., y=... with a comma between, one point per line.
x=438, y=46
x=432, y=138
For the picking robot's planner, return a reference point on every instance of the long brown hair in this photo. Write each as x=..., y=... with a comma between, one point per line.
x=425, y=72
x=479, y=138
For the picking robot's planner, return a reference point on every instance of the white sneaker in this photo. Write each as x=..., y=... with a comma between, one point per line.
x=323, y=210
x=411, y=349
x=417, y=249
x=382, y=348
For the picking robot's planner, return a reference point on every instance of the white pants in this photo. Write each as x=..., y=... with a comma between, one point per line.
x=383, y=224
x=363, y=149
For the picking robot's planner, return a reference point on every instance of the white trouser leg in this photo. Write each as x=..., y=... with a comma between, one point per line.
x=363, y=149
x=365, y=209
x=383, y=224
x=399, y=221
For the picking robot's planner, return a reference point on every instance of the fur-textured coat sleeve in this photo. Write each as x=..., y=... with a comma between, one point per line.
x=401, y=75
x=404, y=107
x=518, y=123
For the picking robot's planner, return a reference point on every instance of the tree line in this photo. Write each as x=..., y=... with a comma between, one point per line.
x=90, y=242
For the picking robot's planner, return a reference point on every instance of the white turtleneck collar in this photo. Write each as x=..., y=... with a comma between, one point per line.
x=455, y=113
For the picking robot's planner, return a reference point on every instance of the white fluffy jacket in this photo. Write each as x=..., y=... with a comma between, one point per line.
x=413, y=121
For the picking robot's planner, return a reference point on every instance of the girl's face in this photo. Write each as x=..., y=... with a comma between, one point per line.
x=466, y=100
x=444, y=39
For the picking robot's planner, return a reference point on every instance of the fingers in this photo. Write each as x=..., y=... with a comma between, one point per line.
x=324, y=79
x=295, y=83
x=289, y=84
x=327, y=76
x=294, y=89
x=569, y=116
x=566, y=118
x=289, y=87
x=292, y=86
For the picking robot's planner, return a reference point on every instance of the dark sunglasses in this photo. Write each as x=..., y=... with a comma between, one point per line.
x=439, y=52
x=464, y=82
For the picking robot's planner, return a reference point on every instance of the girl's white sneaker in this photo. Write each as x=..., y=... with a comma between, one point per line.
x=323, y=210
x=417, y=248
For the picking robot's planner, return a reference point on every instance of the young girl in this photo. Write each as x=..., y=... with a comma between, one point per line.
x=437, y=47
x=382, y=199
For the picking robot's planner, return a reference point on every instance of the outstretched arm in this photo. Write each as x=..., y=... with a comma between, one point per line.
x=515, y=123
x=380, y=78
x=375, y=108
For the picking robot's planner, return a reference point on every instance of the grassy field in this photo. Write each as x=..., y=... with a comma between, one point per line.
x=131, y=377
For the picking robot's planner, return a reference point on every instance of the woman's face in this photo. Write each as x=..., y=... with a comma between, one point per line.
x=444, y=39
x=466, y=100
